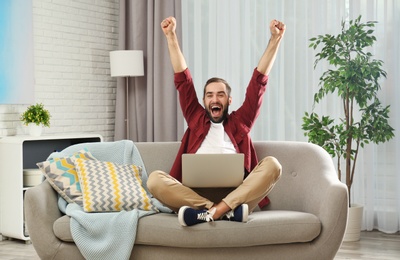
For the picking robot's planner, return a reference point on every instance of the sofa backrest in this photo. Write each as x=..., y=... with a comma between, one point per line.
x=158, y=155
x=307, y=170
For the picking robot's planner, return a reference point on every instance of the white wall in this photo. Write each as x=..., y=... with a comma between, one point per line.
x=72, y=40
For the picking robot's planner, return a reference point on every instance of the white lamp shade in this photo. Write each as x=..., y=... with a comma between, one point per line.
x=126, y=63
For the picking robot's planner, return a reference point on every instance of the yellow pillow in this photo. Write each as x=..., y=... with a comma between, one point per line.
x=107, y=186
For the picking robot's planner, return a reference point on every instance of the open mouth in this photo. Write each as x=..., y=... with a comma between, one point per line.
x=216, y=110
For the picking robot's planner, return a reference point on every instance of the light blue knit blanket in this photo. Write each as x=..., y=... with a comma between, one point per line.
x=108, y=235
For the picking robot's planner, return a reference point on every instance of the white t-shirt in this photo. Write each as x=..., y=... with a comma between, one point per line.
x=216, y=141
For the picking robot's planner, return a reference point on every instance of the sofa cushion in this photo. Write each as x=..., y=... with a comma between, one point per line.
x=62, y=175
x=108, y=186
x=262, y=228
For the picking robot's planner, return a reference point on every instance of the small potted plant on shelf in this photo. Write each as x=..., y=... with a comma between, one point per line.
x=354, y=77
x=35, y=117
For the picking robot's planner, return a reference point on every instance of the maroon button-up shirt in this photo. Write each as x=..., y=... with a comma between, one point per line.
x=237, y=125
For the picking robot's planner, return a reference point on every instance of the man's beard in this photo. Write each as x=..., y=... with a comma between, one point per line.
x=220, y=119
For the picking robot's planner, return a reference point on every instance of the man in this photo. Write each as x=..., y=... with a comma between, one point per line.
x=211, y=129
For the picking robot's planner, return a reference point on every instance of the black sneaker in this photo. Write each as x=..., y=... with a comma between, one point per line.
x=240, y=214
x=189, y=217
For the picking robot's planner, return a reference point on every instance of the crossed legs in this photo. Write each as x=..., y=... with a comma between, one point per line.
x=254, y=188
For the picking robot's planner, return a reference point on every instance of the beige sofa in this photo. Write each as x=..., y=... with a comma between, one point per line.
x=306, y=218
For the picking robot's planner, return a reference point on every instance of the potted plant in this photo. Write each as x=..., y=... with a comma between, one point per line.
x=354, y=77
x=35, y=117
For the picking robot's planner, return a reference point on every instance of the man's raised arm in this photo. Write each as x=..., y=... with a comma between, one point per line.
x=266, y=62
x=168, y=25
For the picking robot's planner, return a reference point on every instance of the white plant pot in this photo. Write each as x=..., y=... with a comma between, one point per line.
x=34, y=129
x=353, y=228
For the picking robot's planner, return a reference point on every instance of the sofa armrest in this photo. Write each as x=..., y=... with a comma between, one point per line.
x=309, y=183
x=41, y=211
x=308, y=174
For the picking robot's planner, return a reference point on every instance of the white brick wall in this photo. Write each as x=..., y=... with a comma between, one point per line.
x=72, y=40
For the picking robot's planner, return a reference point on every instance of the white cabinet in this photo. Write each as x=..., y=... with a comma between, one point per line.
x=16, y=154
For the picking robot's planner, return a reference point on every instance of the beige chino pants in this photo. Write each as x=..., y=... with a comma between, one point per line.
x=254, y=188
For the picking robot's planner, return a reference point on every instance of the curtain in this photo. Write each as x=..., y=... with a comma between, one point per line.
x=153, y=103
x=378, y=187
x=226, y=38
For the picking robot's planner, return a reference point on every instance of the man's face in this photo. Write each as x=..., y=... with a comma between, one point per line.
x=216, y=101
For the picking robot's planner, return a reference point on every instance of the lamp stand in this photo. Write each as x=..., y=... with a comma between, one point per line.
x=127, y=106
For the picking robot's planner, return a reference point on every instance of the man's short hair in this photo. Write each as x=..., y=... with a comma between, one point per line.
x=212, y=80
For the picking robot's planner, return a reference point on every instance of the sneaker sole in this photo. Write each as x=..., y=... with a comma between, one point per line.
x=180, y=216
x=245, y=212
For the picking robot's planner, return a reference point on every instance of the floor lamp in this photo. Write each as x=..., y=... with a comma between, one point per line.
x=126, y=63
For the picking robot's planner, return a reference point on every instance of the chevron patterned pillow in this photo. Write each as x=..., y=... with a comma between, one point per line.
x=108, y=186
x=62, y=176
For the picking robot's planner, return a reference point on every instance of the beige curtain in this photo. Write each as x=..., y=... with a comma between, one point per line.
x=153, y=105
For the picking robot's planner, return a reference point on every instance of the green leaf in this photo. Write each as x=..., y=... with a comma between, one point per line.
x=355, y=77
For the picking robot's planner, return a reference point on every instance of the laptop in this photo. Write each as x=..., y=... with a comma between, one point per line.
x=212, y=170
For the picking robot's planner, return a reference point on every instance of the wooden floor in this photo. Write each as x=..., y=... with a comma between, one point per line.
x=372, y=245
x=17, y=250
